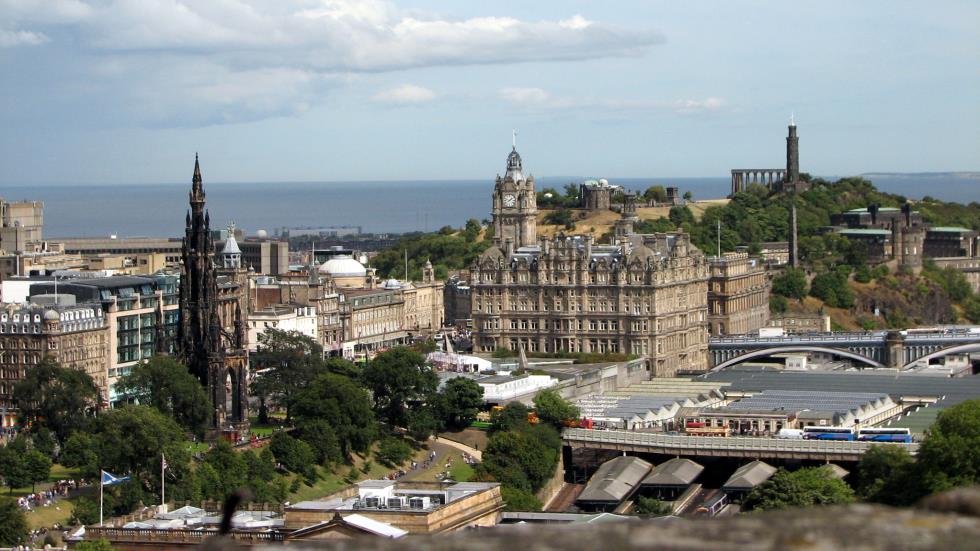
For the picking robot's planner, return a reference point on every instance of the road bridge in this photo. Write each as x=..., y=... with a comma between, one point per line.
x=748, y=447
x=896, y=349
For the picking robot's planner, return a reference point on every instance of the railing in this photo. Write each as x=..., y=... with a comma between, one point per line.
x=746, y=444
x=194, y=537
x=864, y=336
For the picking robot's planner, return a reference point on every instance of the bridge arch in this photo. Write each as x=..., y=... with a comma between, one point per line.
x=956, y=349
x=761, y=353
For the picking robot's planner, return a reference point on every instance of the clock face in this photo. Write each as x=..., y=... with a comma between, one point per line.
x=509, y=200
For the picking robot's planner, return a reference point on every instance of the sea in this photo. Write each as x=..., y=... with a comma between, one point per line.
x=157, y=210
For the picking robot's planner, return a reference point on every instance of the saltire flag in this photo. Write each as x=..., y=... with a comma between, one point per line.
x=164, y=461
x=109, y=479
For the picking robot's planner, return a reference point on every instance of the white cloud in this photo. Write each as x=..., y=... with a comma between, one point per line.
x=271, y=56
x=9, y=39
x=525, y=96
x=405, y=94
x=538, y=98
x=698, y=105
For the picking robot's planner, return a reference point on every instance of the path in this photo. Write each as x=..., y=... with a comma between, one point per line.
x=475, y=453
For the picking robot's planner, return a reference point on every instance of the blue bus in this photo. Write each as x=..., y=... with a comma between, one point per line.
x=885, y=435
x=828, y=433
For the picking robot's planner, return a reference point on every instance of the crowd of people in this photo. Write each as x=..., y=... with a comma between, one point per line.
x=45, y=498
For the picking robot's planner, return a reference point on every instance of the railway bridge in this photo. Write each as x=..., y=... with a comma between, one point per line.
x=747, y=447
x=895, y=349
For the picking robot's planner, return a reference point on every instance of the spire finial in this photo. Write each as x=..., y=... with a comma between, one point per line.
x=792, y=118
x=514, y=139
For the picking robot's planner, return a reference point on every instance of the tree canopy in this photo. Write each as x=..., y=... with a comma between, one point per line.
x=552, y=408
x=344, y=404
x=286, y=362
x=55, y=397
x=13, y=523
x=167, y=385
x=461, y=399
x=804, y=487
x=400, y=382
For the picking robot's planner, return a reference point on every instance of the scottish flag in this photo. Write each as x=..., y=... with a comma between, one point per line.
x=109, y=480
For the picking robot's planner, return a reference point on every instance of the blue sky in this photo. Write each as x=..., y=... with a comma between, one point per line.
x=125, y=91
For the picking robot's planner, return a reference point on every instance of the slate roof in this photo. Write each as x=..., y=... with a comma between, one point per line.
x=749, y=476
x=615, y=480
x=676, y=472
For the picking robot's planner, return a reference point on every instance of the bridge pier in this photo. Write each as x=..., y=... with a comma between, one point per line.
x=895, y=345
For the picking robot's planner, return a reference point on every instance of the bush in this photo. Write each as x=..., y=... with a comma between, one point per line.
x=790, y=284
x=393, y=452
x=801, y=488
x=652, y=506
x=519, y=500
x=295, y=455
x=778, y=304
x=86, y=511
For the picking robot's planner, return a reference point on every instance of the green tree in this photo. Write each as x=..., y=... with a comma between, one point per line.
x=652, y=506
x=552, y=408
x=132, y=440
x=229, y=466
x=56, y=398
x=345, y=405
x=461, y=400
x=790, y=284
x=79, y=451
x=778, y=304
x=294, y=454
x=166, y=384
x=688, y=195
x=804, y=487
x=884, y=474
x=472, y=230
x=13, y=523
x=399, y=381
x=525, y=451
x=13, y=465
x=38, y=467
x=513, y=416
x=950, y=454
x=680, y=215
x=655, y=193
x=320, y=436
x=85, y=511
x=287, y=361
x=393, y=451
x=519, y=500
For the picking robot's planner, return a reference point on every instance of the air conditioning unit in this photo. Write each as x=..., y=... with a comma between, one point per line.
x=395, y=503
x=372, y=502
x=418, y=503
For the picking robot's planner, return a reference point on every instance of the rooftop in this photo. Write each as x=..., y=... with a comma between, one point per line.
x=749, y=476
x=676, y=472
x=615, y=480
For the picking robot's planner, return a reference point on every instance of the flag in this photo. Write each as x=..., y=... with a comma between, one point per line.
x=109, y=480
x=163, y=460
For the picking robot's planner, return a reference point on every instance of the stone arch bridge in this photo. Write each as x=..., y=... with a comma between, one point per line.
x=895, y=349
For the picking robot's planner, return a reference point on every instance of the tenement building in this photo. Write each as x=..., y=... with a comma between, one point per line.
x=643, y=294
x=74, y=335
x=738, y=294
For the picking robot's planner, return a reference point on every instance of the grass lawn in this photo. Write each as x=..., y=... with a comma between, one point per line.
x=332, y=481
x=262, y=432
x=45, y=517
x=460, y=471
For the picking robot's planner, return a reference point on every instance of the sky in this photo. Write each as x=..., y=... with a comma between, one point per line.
x=126, y=91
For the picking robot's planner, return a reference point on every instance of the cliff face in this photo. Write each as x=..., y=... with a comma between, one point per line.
x=947, y=522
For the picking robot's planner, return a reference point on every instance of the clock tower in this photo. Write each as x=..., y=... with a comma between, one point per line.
x=515, y=205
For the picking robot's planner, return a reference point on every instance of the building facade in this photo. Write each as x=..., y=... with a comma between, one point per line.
x=738, y=294
x=141, y=313
x=76, y=336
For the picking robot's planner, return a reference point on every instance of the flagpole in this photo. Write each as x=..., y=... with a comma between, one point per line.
x=163, y=481
x=101, y=484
